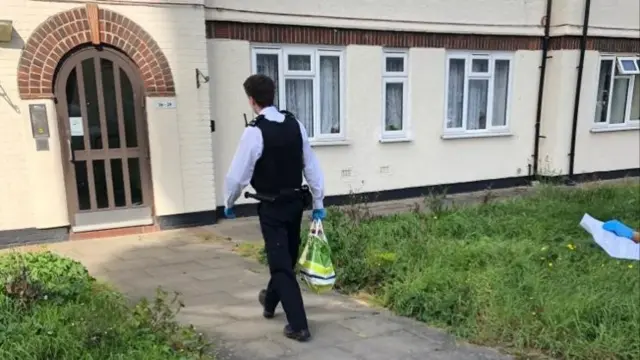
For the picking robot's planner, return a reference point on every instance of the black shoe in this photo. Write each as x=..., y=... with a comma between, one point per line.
x=302, y=335
x=261, y=298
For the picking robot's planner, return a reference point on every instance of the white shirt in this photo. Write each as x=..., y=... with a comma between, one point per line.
x=249, y=151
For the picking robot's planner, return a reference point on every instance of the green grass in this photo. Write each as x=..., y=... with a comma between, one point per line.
x=521, y=275
x=50, y=308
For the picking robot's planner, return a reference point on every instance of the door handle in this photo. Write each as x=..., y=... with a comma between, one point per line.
x=72, y=158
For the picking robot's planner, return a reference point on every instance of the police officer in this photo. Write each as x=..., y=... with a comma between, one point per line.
x=273, y=154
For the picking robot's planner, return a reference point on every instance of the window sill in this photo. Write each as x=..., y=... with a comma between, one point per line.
x=453, y=136
x=607, y=129
x=332, y=142
x=399, y=139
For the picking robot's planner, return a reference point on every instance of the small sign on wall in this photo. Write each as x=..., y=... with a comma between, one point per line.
x=165, y=104
x=39, y=122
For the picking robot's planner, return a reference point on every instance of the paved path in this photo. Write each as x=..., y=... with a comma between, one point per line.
x=220, y=289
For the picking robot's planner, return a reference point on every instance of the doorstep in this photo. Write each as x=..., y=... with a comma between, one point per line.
x=105, y=233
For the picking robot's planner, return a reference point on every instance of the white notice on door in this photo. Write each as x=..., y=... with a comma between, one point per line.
x=75, y=125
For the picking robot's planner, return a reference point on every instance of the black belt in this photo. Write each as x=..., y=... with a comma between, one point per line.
x=283, y=195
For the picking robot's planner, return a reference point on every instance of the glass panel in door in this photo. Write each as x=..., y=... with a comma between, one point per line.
x=93, y=110
x=129, y=110
x=110, y=103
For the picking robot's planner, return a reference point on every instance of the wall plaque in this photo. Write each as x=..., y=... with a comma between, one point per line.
x=39, y=122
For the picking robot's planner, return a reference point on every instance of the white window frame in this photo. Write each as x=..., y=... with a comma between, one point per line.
x=621, y=69
x=396, y=77
x=300, y=52
x=632, y=76
x=284, y=73
x=468, y=57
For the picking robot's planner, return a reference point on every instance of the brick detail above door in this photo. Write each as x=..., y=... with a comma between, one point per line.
x=65, y=31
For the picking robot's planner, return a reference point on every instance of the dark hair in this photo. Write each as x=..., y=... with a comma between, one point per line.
x=261, y=88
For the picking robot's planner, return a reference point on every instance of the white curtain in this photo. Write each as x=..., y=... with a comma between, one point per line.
x=394, y=106
x=299, y=96
x=267, y=64
x=394, y=64
x=299, y=62
x=455, y=93
x=500, y=92
x=329, y=94
x=619, y=100
x=477, y=105
x=603, y=91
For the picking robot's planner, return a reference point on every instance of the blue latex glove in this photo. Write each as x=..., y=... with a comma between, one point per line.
x=618, y=228
x=229, y=213
x=318, y=214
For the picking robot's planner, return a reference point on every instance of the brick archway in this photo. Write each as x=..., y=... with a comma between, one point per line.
x=64, y=31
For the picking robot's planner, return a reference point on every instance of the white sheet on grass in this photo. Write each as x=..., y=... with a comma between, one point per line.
x=616, y=246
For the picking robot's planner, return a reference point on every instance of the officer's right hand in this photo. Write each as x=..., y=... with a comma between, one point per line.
x=318, y=214
x=229, y=213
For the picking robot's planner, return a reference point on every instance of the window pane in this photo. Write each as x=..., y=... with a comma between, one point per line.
x=129, y=111
x=82, y=185
x=100, y=182
x=628, y=65
x=635, y=101
x=394, y=106
x=604, y=83
x=619, y=100
x=480, y=65
x=299, y=62
x=500, y=92
x=110, y=103
x=329, y=94
x=455, y=93
x=117, y=176
x=394, y=64
x=477, y=104
x=93, y=113
x=300, y=101
x=135, y=181
x=267, y=64
x=73, y=107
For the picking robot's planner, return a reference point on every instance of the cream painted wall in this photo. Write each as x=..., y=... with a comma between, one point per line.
x=609, y=18
x=228, y=67
x=180, y=141
x=612, y=18
x=463, y=16
x=557, y=112
x=426, y=160
x=595, y=151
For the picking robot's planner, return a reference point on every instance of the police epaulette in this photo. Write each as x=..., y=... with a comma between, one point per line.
x=254, y=122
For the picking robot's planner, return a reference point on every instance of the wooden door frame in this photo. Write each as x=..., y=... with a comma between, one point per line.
x=60, y=83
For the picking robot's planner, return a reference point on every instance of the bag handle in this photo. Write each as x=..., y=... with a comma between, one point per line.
x=316, y=227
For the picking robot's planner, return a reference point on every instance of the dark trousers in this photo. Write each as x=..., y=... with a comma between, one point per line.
x=280, y=224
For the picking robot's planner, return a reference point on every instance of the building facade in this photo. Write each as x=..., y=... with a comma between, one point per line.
x=121, y=114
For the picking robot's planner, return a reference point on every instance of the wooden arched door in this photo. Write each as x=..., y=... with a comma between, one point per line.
x=103, y=132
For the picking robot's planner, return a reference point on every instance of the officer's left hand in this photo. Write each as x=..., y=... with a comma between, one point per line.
x=229, y=213
x=618, y=228
x=318, y=214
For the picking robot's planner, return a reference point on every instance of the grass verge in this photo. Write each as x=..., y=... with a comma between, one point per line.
x=51, y=308
x=520, y=275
